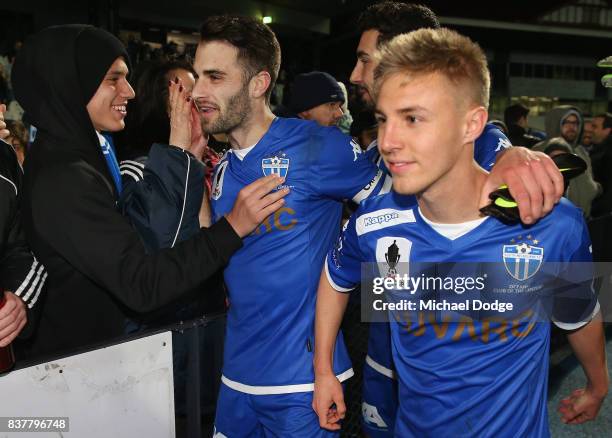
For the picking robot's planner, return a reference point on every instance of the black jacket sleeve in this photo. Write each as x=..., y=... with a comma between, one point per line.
x=74, y=212
x=20, y=272
x=162, y=195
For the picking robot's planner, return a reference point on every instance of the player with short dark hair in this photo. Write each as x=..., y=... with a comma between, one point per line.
x=268, y=377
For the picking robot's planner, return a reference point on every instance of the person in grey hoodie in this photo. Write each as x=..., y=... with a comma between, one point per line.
x=566, y=121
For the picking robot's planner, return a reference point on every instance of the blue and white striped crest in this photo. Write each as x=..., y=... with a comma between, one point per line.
x=275, y=166
x=522, y=261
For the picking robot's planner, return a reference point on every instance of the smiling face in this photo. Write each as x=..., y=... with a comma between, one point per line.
x=363, y=72
x=221, y=92
x=421, y=129
x=107, y=108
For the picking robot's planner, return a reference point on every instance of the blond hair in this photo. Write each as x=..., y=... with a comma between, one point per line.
x=441, y=50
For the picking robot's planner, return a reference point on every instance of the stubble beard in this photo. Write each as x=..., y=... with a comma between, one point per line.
x=236, y=111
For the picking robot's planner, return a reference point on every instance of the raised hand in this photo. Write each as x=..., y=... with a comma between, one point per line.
x=180, y=115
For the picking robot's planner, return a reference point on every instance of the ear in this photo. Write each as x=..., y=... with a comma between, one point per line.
x=304, y=115
x=259, y=84
x=475, y=121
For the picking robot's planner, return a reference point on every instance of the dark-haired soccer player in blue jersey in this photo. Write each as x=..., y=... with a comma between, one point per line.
x=267, y=371
x=456, y=378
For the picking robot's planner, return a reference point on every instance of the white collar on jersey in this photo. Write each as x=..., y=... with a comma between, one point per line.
x=241, y=153
x=453, y=231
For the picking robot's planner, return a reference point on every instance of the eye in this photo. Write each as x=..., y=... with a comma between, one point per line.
x=412, y=119
x=380, y=119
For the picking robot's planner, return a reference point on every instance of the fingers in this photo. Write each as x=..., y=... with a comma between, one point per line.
x=179, y=99
x=262, y=186
x=272, y=197
x=553, y=173
x=579, y=407
x=328, y=417
x=340, y=405
x=12, y=319
x=546, y=184
x=180, y=115
x=530, y=199
x=532, y=179
x=267, y=211
x=254, y=203
x=4, y=133
x=10, y=336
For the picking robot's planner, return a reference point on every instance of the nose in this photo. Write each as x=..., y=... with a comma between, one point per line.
x=127, y=91
x=338, y=113
x=199, y=90
x=357, y=74
x=389, y=137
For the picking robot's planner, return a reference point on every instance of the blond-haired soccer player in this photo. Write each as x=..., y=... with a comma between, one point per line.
x=469, y=373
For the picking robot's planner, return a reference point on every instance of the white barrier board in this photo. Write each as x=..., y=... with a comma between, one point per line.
x=124, y=390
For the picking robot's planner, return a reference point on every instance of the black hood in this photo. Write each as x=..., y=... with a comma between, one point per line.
x=55, y=75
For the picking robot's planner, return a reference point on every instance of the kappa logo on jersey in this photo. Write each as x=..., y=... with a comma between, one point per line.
x=276, y=165
x=356, y=149
x=503, y=143
x=217, y=186
x=523, y=260
x=379, y=219
x=371, y=416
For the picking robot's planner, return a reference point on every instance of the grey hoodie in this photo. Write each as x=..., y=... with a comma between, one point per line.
x=582, y=189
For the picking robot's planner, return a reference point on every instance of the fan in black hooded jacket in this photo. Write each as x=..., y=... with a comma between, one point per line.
x=95, y=260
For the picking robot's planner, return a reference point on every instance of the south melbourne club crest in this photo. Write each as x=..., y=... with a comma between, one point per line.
x=276, y=165
x=523, y=260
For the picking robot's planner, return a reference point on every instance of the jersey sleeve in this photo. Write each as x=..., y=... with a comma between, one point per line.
x=340, y=169
x=575, y=300
x=162, y=198
x=491, y=142
x=343, y=262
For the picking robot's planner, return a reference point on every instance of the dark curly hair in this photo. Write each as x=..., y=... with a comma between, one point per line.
x=392, y=18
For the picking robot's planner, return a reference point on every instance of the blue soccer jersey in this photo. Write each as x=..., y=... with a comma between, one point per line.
x=379, y=358
x=467, y=377
x=273, y=279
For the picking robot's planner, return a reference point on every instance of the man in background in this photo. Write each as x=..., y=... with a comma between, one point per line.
x=317, y=96
x=515, y=117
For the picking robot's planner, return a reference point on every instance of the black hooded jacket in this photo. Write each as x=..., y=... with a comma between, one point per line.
x=96, y=262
